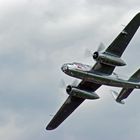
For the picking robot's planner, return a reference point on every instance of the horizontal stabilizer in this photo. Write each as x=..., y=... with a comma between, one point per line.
x=115, y=95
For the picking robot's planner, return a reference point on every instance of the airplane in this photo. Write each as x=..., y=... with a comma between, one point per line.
x=100, y=74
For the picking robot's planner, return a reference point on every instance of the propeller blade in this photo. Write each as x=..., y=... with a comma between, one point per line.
x=101, y=47
x=62, y=83
x=75, y=83
x=88, y=53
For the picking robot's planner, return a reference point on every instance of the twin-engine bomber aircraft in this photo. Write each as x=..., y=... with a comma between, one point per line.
x=100, y=74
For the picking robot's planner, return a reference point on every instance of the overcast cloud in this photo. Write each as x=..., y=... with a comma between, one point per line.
x=36, y=38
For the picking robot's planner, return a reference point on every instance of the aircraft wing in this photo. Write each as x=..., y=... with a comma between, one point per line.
x=118, y=46
x=67, y=108
x=70, y=105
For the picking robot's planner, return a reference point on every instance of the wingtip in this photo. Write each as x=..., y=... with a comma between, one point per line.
x=50, y=127
x=138, y=14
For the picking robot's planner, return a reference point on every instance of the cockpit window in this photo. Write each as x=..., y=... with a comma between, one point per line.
x=69, y=64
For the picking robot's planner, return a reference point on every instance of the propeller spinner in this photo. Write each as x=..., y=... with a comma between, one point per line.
x=95, y=55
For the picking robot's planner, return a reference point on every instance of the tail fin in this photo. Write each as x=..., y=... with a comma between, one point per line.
x=135, y=77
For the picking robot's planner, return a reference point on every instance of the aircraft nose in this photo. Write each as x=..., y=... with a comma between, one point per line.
x=64, y=67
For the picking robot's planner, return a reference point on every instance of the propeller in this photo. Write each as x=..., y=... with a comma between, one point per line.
x=68, y=88
x=99, y=50
x=89, y=53
x=64, y=85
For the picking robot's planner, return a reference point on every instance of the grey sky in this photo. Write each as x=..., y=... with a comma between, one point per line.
x=36, y=38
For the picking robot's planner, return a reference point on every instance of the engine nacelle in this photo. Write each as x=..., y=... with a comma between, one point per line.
x=73, y=91
x=108, y=59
